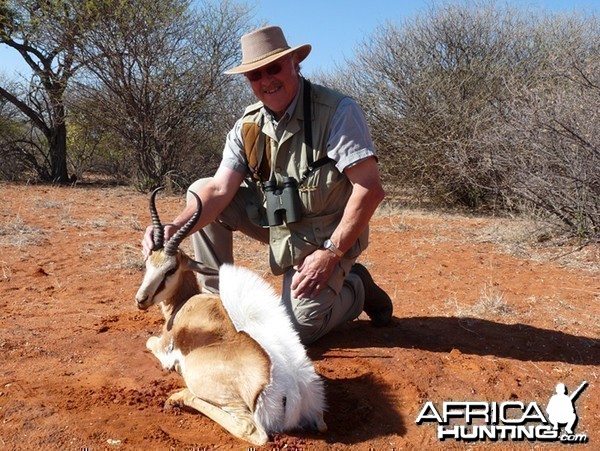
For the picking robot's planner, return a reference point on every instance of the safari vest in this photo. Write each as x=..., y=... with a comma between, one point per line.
x=324, y=192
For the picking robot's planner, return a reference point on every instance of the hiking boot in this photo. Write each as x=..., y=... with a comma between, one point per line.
x=378, y=304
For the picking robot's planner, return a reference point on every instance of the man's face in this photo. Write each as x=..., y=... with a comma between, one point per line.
x=276, y=84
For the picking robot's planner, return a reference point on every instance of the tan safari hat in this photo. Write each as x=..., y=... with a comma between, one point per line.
x=263, y=46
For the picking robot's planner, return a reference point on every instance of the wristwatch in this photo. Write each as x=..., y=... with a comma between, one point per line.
x=327, y=244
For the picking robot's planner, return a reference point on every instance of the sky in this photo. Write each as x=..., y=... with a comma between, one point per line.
x=334, y=28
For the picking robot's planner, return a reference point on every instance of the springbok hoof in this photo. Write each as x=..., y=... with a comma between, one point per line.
x=320, y=424
x=174, y=401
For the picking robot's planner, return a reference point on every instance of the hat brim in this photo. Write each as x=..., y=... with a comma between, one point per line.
x=302, y=50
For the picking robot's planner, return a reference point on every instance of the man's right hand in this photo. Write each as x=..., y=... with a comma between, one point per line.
x=148, y=240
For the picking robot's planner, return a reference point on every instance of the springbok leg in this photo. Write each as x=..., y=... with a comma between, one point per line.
x=238, y=420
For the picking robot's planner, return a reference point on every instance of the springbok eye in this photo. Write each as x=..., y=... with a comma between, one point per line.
x=171, y=271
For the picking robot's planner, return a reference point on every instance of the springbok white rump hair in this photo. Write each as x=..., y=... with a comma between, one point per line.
x=255, y=308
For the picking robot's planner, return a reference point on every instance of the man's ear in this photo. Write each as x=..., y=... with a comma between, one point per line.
x=202, y=268
x=296, y=61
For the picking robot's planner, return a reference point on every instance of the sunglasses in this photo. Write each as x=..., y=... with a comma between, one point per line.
x=272, y=69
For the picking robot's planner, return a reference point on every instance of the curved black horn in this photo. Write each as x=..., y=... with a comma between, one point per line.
x=158, y=233
x=174, y=242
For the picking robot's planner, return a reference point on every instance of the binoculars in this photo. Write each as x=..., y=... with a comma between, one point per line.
x=283, y=202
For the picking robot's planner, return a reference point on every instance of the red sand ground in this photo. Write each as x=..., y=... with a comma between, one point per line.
x=483, y=312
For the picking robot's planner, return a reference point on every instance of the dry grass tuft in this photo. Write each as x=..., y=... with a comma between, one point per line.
x=491, y=304
x=540, y=242
x=130, y=261
x=20, y=234
x=6, y=272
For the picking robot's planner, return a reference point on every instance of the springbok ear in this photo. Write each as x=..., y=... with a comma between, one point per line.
x=202, y=268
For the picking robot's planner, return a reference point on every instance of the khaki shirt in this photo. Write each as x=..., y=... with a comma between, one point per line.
x=339, y=131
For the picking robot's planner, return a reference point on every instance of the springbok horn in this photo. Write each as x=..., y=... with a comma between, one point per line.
x=158, y=233
x=173, y=243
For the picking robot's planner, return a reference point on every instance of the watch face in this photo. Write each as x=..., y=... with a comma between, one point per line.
x=327, y=244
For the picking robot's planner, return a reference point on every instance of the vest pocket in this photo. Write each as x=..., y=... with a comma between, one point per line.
x=311, y=195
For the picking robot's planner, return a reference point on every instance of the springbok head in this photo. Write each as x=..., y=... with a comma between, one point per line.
x=167, y=264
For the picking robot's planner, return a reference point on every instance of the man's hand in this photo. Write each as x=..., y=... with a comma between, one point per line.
x=148, y=240
x=314, y=272
x=215, y=195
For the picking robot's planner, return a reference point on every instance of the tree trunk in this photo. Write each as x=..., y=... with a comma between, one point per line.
x=57, y=142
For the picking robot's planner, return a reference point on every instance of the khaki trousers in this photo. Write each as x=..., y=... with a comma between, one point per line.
x=341, y=301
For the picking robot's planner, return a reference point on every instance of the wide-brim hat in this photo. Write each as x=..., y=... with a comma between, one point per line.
x=263, y=46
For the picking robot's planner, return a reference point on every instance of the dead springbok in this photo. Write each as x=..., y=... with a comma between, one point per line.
x=241, y=359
